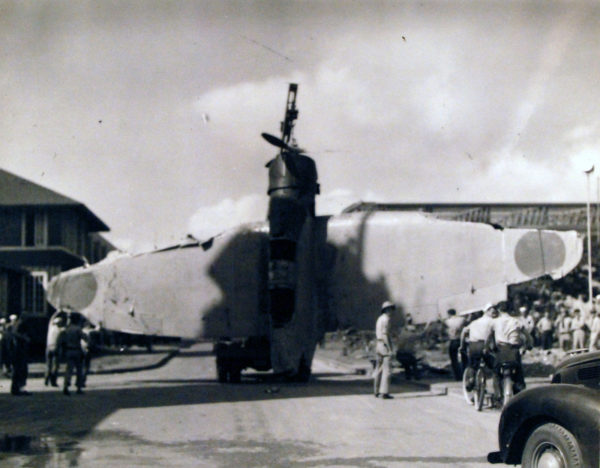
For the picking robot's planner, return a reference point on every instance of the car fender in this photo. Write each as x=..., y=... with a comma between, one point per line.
x=574, y=407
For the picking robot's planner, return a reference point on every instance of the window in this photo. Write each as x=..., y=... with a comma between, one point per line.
x=34, y=290
x=10, y=227
x=54, y=228
x=29, y=228
x=35, y=228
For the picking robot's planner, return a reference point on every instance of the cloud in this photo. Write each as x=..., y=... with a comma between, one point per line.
x=132, y=246
x=442, y=101
x=209, y=221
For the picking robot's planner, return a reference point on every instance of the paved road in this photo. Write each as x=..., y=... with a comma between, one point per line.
x=178, y=415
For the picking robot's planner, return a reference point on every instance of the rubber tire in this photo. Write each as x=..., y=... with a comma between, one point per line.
x=507, y=390
x=480, y=383
x=469, y=396
x=235, y=374
x=556, y=436
x=222, y=371
x=303, y=373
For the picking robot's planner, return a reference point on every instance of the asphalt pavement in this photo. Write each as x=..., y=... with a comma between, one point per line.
x=178, y=415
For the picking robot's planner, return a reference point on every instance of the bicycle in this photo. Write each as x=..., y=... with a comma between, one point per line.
x=481, y=385
x=468, y=386
x=506, y=384
x=474, y=384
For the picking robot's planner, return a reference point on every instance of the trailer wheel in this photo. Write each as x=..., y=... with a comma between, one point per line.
x=222, y=371
x=235, y=374
x=304, y=370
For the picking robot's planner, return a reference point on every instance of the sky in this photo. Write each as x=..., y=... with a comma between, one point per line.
x=150, y=112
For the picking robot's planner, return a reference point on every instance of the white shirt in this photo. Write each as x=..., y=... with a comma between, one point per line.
x=564, y=325
x=545, y=324
x=454, y=325
x=506, y=329
x=528, y=322
x=53, y=332
x=577, y=323
x=480, y=329
x=595, y=328
x=382, y=328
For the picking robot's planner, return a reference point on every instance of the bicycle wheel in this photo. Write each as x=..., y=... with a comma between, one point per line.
x=468, y=385
x=507, y=389
x=480, y=383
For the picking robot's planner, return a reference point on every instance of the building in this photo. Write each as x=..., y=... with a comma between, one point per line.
x=558, y=216
x=42, y=233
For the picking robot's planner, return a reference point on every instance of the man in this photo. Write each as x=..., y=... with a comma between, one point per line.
x=578, y=330
x=3, y=351
x=69, y=342
x=406, y=348
x=563, y=326
x=19, y=355
x=55, y=326
x=454, y=325
x=545, y=327
x=383, y=350
x=594, y=329
x=529, y=322
x=86, y=347
x=476, y=333
x=7, y=345
x=509, y=336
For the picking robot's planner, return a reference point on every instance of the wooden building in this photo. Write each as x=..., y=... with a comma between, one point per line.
x=42, y=233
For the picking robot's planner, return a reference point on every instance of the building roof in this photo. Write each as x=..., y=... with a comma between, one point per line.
x=18, y=192
x=15, y=257
x=435, y=206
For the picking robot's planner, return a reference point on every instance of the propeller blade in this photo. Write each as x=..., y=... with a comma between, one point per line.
x=275, y=141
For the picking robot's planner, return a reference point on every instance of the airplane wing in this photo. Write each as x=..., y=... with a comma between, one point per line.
x=427, y=265
x=424, y=264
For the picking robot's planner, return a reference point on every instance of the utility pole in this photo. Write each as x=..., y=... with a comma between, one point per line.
x=589, y=236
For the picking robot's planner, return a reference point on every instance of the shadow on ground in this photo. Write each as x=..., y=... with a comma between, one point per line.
x=47, y=423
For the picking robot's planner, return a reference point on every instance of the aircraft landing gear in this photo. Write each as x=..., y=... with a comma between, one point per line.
x=233, y=356
x=302, y=375
x=228, y=371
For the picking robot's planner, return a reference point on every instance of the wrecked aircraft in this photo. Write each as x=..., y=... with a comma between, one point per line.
x=267, y=292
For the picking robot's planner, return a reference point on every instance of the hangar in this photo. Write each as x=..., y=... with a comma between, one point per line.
x=557, y=216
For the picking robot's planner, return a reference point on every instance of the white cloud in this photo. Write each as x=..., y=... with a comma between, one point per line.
x=433, y=102
x=132, y=246
x=209, y=221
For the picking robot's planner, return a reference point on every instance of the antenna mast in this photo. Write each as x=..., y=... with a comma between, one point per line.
x=291, y=114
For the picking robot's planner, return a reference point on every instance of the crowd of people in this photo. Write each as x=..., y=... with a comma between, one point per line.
x=564, y=322
x=542, y=314
x=68, y=341
x=14, y=343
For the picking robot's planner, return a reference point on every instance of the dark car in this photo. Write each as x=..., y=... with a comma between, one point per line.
x=555, y=425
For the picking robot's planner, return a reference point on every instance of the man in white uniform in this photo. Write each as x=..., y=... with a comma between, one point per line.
x=509, y=336
x=475, y=334
x=383, y=349
x=578, y=330
x=594, y=329
x=454, y=325
x=55, y=326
